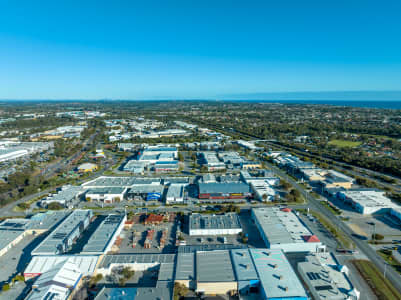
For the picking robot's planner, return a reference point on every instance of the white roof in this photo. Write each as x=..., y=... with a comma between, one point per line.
x=280, y=227
x=277, y=278
x=57, y=282
x=41, y=264
x=369, y=198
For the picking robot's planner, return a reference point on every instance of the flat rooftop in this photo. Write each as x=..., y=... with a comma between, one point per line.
x=8, y=236
x=277, y=278
x=135, y=258
x=369, y=198
x=106, y=190
x=185, y=269
x=103, y=235
x=324, y=277
x=225, y=221
x=243, y=265
x=223, y=187
x=51, y=244
x=104, y=181
x=43, y=263
x=214, y=266
x=281, y=227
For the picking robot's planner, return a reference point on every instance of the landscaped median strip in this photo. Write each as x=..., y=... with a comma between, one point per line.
x=380, y=286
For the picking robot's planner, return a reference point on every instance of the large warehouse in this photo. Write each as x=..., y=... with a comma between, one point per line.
x=226, y=190
x=214, y=273
x=9, y=238
x=214, y=224
x=326, y=279
x=367, y=201
x=282, y=229
x=260, y=273
x=277, y=278
x=40, y=264
x=106, y=194
x=102, y=240
x=62, y=238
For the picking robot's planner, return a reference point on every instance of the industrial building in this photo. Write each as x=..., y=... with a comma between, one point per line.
x=102, y=240
x=9, y=238
x=282, y=229
x=262, y=190
x=110, y=181
x=214, y=273
x=217, y=190
x=263, y=273
x=175, y=193
x=326, y=279
x=367, y=201
x=57, y=283
x=266, y=175
x=140, y=293
x=214, y=224
x=15, y=150
x=276, y=276
x=134, y=166
x=148, y=192
x=62, y=238
x=40, y=264
x=106, y=195
x=185, y=269
x=65, y=197
x=166, y=166
x=231, y=158
x=247, y=277
x=210, y=160
x=137, y=262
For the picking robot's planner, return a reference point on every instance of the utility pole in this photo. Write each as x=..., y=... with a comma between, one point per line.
x=385, y=269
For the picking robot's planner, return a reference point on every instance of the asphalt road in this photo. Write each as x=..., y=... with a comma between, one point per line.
x=363, y=247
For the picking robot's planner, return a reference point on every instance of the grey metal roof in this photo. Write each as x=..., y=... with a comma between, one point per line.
x=106, y=190
x=52, y=243
x=225, y=188
x=43, y=263
x=209, y=247
x=101, y=238
x=214, y=266
x=166, y=272
x=8, y=236
x=225, y=221
x=243, y=265
x=146, y=188
x=280, y=227
x=136, y=258
x=276, y=275
x=185, y=269
x=47, y=220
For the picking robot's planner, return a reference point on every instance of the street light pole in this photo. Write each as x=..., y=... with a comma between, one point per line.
x=385, y=269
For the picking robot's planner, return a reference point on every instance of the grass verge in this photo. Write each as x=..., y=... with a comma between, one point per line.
x=380, y=286
x=340, y=236
x=388, y=257
x=344, y=143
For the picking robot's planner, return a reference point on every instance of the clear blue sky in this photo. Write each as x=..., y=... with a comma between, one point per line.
x=193, y=49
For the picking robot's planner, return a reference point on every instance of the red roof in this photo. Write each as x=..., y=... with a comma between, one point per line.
x=311, y=239
x=154, y=218
x=286, y=209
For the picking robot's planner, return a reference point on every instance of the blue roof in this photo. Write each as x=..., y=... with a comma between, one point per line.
x=173, y=162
